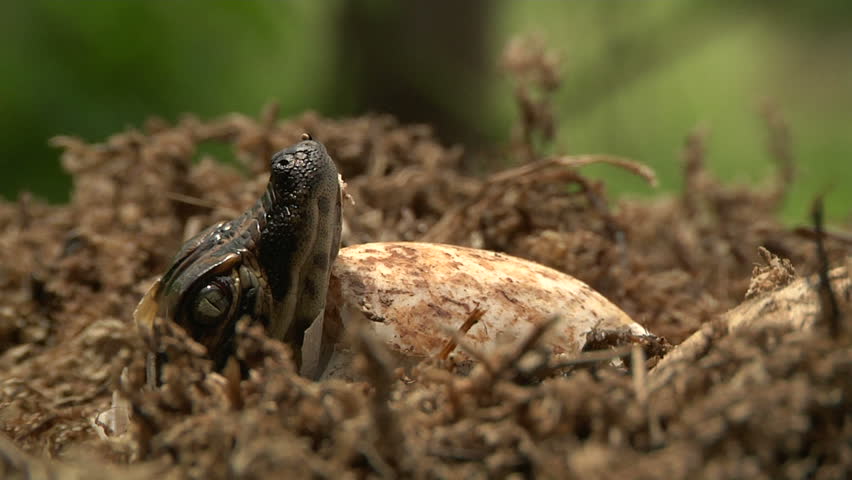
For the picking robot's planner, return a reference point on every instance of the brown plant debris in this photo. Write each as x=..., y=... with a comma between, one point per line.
x=777, y=273
x=537, y=75
x=765, y=403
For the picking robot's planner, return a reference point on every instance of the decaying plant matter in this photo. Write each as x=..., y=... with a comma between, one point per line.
x=755, y=402
x=73, y=274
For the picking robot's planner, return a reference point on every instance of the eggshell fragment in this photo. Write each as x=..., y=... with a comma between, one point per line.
x=412, y=296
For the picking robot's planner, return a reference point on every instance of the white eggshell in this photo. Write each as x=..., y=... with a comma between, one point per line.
x=413, y=294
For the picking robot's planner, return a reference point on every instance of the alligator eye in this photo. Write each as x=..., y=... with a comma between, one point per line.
x=307, y=136
x=212, y=304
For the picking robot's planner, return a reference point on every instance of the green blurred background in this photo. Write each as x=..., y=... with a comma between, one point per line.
x=639, y=76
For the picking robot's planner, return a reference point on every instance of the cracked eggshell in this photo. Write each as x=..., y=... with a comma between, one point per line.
x=412, y=294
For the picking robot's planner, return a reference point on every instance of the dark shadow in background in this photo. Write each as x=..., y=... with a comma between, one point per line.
x=423, y=61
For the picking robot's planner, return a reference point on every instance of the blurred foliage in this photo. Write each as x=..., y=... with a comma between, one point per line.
x=638, y=76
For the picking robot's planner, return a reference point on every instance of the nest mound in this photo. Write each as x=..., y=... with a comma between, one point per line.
x=775, y=403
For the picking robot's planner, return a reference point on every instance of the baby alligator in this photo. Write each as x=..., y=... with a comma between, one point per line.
x=272, y=263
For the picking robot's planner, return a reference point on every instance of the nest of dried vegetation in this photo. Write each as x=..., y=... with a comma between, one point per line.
x=771, y=404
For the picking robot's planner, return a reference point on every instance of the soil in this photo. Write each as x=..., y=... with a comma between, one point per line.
x=773, y=403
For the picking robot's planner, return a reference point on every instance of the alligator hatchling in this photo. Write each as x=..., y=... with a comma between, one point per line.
x=272, y=263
